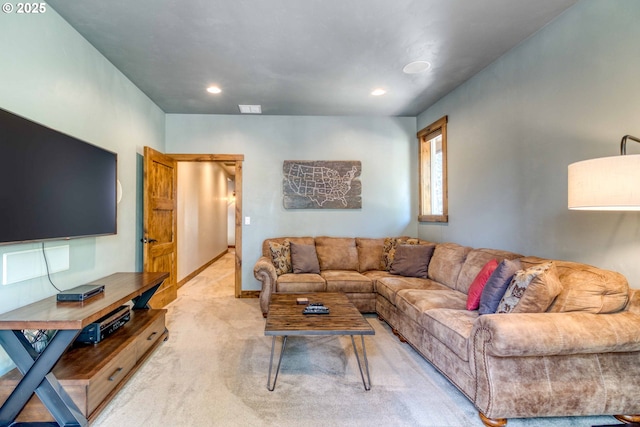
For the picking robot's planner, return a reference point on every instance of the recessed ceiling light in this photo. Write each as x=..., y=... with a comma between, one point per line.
x=214, y=89
x=416, y=67
x=378, y=92
x=250, y=109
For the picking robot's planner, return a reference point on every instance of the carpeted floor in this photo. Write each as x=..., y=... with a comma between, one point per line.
x=213, y=372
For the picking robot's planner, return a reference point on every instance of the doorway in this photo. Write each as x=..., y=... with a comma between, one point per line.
x=230, y=160
x=235, y=161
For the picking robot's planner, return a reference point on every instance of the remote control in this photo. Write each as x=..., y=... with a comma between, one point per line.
x=315, y=309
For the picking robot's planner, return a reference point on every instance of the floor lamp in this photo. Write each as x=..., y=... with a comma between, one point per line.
x=606, y=184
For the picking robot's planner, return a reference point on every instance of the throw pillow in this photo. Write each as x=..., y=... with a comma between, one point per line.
x=541, y=289
x=304, y=258
x=478, y=284
x=412, y=260
x=281, y=257
x=497, y=285
x=389, y=250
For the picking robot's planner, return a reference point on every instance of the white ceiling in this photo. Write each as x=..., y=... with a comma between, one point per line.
x=303, y=57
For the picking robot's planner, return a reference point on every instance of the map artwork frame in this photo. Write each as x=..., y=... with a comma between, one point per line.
x=320, y=184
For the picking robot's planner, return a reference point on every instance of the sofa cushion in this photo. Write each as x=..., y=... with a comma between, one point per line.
x=451, y=327
x=302, y=240
x=304, y=259
x=414, y=302
x=337, y=253
x=446, y=263
x=281, y=256
x=586, y=288
x=473, y=263
x=389, y=249
x=388, y=287
x=376, y=274
x=369, y=253
x=531, y=290
x=412, y=260
x=475, y=290
x=303, y=282
x=346, y=281
x=497, y=285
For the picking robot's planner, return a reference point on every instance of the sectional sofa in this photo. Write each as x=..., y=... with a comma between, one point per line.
x=559, y=339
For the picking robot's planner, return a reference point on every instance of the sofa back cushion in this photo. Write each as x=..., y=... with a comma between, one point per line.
x=369, y=253
x=446, y=263
x=337, y=253
x=585, y=288
x=476, y=259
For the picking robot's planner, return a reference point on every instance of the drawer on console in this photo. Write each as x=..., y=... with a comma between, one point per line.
x=109, y=377
x=87, y=393
x=150, y=334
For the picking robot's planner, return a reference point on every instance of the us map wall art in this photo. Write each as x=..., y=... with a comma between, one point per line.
x=322, y=184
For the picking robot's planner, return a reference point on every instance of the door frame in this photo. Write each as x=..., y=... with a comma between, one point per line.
x=238, y=159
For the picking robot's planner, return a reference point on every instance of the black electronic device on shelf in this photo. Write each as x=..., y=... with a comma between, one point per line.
x=80, y=293
x=105, y=326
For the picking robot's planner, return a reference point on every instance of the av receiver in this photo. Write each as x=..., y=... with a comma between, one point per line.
x=105, y=326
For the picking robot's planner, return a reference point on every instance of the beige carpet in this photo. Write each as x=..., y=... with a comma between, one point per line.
x=213, y=372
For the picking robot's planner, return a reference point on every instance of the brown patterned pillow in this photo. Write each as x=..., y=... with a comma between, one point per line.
x=531, y=290
x=541, y=292
x=281, y=257
x=389, y=250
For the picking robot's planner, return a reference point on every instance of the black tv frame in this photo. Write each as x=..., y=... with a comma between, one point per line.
x=53, y=186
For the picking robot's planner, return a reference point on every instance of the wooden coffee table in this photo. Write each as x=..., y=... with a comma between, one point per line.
x=285, y=318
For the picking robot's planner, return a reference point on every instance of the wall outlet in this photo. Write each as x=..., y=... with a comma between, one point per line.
x=247, y=220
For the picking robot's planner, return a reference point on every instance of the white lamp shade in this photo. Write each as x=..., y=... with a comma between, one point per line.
x=605, y=184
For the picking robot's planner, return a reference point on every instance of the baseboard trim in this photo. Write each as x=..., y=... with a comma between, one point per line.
x=201, y=269
x=250, y=294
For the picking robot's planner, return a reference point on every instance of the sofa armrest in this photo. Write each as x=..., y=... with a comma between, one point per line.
x=546, y=334
x=265, y=272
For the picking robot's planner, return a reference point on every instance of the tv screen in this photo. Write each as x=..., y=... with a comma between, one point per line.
x=53, y=186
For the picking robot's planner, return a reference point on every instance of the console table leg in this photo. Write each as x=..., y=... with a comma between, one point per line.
x=39, y=379
x=367, y=384
x=142, y=301
x=273, y=344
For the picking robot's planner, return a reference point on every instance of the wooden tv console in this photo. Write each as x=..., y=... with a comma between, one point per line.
x=72, y=382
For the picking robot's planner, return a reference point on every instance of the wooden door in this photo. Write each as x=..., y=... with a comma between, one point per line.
x=159, y=222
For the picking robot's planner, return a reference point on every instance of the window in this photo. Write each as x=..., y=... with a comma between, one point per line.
x=433, y=172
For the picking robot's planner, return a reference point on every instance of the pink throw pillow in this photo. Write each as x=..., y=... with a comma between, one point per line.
x=475, y=290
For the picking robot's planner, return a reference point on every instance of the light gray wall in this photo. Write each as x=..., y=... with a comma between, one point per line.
x=202, y=215
x=51, y=75
x=568, y=93
x=231, y=213
x=387, y=148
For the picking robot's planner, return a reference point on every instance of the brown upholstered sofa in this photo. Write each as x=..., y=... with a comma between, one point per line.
x=581, y=356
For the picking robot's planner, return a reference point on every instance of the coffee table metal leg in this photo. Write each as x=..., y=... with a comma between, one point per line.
x=367, y=383
x=273, y=345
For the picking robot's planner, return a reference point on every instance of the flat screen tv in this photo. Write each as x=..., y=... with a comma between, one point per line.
x=53, y=186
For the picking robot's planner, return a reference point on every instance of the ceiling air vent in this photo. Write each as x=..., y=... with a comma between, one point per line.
x=250, y=109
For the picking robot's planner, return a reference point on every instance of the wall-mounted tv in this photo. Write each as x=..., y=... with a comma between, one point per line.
x=53, y=186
